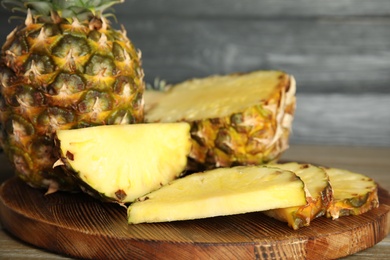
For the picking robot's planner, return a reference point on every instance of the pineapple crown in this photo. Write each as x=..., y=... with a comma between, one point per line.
x=67, y=9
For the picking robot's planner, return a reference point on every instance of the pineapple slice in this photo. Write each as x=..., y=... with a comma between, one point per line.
x=222, y=191
x=238, y=119
x=353, y=193
x=123, y=162
x=319, y=196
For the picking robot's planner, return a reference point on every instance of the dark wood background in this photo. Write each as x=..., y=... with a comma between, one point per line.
x=338, y=51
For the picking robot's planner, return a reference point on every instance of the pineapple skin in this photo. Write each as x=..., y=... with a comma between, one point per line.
x=255, y=135
x=63, y=74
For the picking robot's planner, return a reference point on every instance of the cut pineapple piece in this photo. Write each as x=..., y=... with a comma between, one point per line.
x=217, y=192
x=353, y=193
x=238, y=119
x=124, y=162
x=319, y=196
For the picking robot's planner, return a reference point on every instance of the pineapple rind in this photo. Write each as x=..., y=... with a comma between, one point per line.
x=354, y=193
x=319, y=196
x=252, y=129
x=223, y=191
x=123, y=162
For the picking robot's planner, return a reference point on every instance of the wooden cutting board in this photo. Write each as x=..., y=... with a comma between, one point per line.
x=82, y=227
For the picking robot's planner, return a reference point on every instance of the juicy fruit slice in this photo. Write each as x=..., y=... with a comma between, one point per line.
x=217, y=192
x=238, y=119
x=318, y=196
x=124, y=162
x=353, y=193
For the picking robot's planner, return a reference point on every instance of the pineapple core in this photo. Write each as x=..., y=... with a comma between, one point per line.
x=223, y=191
x=124, y=162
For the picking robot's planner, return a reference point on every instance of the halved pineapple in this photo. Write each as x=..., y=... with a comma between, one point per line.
x=238, y=119
x=124, y=162
x=319, y=196
x=353, y=193
x=217, y=192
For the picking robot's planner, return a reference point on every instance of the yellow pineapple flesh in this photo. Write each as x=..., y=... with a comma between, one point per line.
x=237, y=119
x=222, y=191
x=123, y=162
x=354, y=193
x=318, y=196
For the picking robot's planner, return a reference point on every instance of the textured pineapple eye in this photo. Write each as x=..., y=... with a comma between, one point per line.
x=67, y=84
x=240, y=123
x=94, y=36
x=121, y=117
x=100, y=66
x=38, y=65
x=18, y=127
x=237, y=119
x=51, y=30
x=21, y=162
x=29, y=97
x=124, y=86
x=77, y=45
x=6, y=78
x=53, y=117
x=18, y=47
x=71, y=53
x=95, y=101
x=118, y=52
x=223, y=141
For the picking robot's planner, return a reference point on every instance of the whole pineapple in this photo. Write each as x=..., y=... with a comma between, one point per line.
x=66, y=67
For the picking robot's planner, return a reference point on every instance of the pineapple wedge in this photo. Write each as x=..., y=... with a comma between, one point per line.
x=222, y=191
x=123, y=162
x=237, y=119
x=319, y=196
x=353, y=193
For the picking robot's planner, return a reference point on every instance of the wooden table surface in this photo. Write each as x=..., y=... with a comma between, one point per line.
x=371, y=161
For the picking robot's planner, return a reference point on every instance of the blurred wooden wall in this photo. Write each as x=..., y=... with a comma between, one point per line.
x=338, y=51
